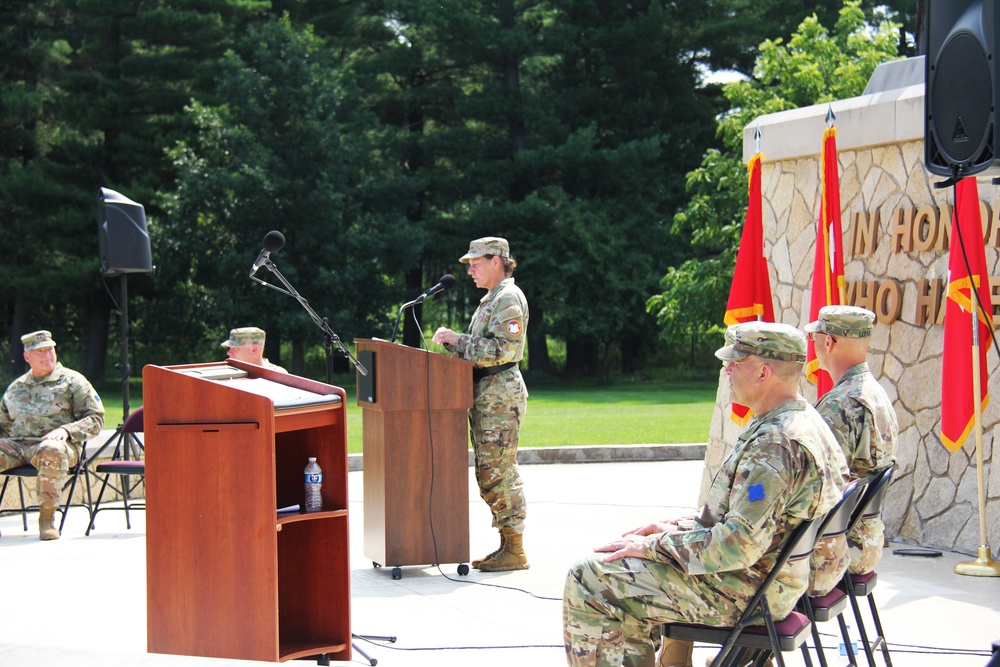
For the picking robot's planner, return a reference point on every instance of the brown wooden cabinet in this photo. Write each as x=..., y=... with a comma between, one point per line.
x=228, y=576
x=416, y=439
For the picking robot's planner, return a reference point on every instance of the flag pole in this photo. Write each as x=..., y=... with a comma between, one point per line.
x=984, y=565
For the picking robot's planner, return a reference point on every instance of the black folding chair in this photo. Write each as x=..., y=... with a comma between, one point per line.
x=833, y=604
x=862, y=585
x=748, y=641
x=26, y=470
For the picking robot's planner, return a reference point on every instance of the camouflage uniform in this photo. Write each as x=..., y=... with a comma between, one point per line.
x=33, y=407
x=251, y=336
x=862, y=418
x=496, y=336
x=785, y=468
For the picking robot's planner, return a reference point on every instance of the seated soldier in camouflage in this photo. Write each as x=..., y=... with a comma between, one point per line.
x=46, y=416
x=247, y=344
x=784, y=469
x=859, y=413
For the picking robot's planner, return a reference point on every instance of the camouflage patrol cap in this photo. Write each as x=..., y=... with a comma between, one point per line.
x=849, y=321
x=245, y=336
x=488, y=245
x=37, y=340
x=769, y=340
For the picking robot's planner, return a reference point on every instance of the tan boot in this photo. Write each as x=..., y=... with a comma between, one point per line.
x=509, y=557
x=46, y=525
x=503, y=542
x=676, y=653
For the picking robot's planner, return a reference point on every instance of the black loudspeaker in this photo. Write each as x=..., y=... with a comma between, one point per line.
x=123, y=242
x=961, y=134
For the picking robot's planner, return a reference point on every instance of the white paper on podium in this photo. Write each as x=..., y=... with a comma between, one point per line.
x=281, y=395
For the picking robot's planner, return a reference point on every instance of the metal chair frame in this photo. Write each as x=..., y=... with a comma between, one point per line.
x=833, y=604
x=857, y=586
x=126, y=461
x=27, y=470
x=744, y=642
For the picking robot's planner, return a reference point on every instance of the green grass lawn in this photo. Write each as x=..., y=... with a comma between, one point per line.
x=627, y=414
x=560, y=414
x=570, y=414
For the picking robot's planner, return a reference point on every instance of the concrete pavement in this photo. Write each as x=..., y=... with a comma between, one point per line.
x=81, y=601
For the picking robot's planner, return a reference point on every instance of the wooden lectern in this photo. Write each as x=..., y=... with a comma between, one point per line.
x=416, y=454
x=228, y=574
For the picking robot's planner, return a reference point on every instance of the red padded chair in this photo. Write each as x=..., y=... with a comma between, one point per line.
x=125, y=466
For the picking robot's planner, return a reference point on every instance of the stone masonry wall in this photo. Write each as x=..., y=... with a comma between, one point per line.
x=933, y=499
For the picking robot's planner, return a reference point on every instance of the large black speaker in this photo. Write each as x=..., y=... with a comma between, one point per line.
x=961, y=135
x=123, y=242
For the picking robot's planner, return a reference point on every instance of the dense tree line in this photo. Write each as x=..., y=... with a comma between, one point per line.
x=379, y=136
x=816, y=65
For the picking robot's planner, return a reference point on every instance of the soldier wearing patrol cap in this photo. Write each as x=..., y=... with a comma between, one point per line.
x=784, y=469
x=858, y=411
x=46, y=417
x=247, y=344
x=495, y=344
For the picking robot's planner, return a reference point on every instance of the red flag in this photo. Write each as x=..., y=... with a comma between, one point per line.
x=750, y=293
x=957, y=400
x=828, y=269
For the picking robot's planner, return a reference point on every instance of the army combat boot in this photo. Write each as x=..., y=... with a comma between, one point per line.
x=509, y=557
x=46, y=527
x=478, y=561
x=676, y=653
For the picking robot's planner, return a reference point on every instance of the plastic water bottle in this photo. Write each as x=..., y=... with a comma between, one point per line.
x=853, y=644
x=314, y=486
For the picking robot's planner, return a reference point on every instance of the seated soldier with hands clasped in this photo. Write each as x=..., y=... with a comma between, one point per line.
x=785, y=468
x=46, y=417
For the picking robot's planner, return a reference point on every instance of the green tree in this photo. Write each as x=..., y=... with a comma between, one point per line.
x=289, y=151
x=816, y=66
x=730, y=31
x=98, y=89
x=565, y=127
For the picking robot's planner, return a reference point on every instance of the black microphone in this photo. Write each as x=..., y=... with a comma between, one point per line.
x=446, y=282
x=273, y=242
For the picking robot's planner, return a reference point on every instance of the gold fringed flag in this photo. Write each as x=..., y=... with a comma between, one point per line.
x=964, y=281
x=750, y=293
x=828, y=269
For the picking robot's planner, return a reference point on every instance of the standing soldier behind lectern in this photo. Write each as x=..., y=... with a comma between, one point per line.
x=495, y=343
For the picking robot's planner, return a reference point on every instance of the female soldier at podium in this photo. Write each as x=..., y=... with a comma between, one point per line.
x=495, y=343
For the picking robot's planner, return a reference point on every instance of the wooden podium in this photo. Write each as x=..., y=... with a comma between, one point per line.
x=227, y=574
x=416, y=439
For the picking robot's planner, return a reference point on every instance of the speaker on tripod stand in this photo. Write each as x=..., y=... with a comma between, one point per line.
x=123, y=246
x=961, y=135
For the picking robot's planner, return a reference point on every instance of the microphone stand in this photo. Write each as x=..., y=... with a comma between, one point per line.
x=330, y=336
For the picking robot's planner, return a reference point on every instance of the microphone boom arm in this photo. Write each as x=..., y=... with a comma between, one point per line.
x=409, y=304
x=320, y=321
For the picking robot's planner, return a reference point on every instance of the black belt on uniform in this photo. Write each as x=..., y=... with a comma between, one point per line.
x=480, y=373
